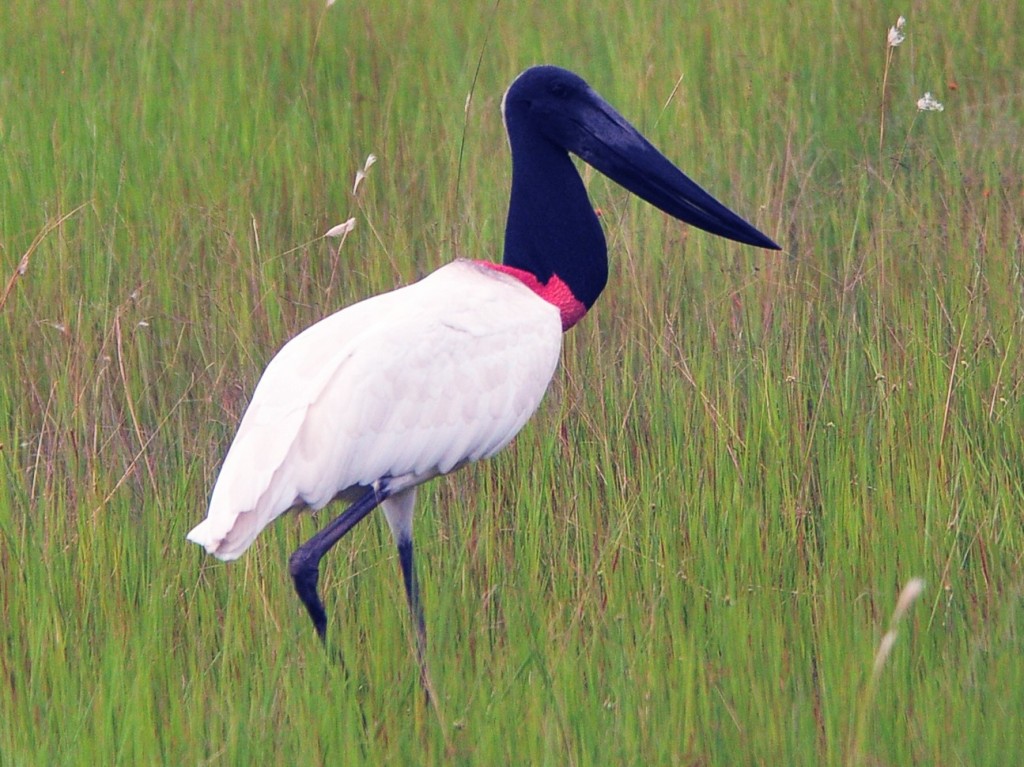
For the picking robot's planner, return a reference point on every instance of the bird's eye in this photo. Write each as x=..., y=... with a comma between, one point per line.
x=559, y=90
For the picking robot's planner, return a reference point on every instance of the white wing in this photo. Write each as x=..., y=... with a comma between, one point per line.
x=406, y=385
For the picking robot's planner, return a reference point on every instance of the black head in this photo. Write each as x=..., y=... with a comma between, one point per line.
x=560, y=106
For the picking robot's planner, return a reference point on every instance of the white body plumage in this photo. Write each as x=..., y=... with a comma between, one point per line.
x=404, y=386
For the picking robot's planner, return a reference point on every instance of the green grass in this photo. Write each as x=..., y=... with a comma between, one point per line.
x=690, y=555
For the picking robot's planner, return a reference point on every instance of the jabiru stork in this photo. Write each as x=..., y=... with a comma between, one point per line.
x=371, y=402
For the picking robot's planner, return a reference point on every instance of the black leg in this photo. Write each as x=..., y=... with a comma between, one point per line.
x=304, y=564
x=412, y=593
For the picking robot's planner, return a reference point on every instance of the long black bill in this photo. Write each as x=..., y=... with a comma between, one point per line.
x=610, y=144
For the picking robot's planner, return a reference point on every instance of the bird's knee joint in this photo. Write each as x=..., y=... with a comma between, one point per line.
x=300, y=565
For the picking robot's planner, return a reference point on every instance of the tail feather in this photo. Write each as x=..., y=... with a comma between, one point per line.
x=227, y=544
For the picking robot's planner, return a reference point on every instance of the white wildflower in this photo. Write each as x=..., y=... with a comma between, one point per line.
x=928, y=103
x=910, y=593
x=341, y=230
x=361, y=174
x=884, y=648
x=896, y=35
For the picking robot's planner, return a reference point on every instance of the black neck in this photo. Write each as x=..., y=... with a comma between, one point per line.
x=552, y=227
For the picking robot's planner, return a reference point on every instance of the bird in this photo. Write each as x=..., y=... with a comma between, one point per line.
x=369, y=403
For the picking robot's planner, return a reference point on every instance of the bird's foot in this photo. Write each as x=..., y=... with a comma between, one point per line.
x=305, y=575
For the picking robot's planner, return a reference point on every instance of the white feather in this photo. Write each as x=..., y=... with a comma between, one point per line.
x=403, y=386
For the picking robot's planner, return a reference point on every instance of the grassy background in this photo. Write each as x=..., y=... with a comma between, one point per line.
x=689, y=556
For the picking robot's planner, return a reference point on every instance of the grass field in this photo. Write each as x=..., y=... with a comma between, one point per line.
x=691, y=554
